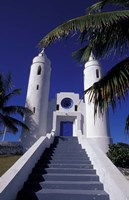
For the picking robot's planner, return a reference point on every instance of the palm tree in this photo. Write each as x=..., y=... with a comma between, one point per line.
x=103, y=33
x=7, y=120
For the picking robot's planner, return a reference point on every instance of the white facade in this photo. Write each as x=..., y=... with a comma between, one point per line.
x=71, y=112
x=67, y=107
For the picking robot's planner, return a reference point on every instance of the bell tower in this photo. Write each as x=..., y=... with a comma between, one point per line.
x=96, y=128
x=37, y=100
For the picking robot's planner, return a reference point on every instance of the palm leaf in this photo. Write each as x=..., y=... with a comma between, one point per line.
x=16, y=110
x=7, y=122
x=110, y=88
x=127, y=125
x=82, y=54
x=112, y=39
x=99, y=5
x=12, y=123
x=107, y=41
x=86, y=24
x=8, y=82
x=5, y=98
x=5, y=83
x=6, y=93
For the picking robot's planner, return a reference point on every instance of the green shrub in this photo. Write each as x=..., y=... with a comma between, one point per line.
x=119, y=154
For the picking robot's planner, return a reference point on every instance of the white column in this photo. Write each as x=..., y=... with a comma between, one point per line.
x=96, y=128
x=37, y=100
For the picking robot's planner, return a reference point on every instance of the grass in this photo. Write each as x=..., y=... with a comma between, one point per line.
x=6, y=162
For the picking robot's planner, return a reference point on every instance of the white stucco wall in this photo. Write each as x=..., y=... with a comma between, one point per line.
x=68, y=114
x=37, y=99
x=115, y=184
x=96, y=127
x=12, y=181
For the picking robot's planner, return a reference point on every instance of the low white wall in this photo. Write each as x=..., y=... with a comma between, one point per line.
x=12, y=181
x=115, y=184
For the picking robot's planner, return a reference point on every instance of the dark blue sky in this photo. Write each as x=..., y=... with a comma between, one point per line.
x=23, y=24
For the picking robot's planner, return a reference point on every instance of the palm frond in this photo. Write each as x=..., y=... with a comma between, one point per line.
x=114, y=39
x=5, y=98
x=127, y=125
x=2, y=89
x=19, y=123
x=12, y=123
x=6, y=93
x=112, y=87
x=108, y=40
x=5, y=83
x=82, y=54
x=99, y=5
x=21, y=110
x=8, y=82
x=7, y=122
x=85, y=24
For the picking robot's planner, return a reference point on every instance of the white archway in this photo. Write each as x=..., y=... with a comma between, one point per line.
x=74, y=117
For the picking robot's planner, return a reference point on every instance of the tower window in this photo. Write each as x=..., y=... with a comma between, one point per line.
x=57, y=107
x=39, y=70
x=75, y=108
x=97, y=73
x=33, y=109
x=37, y=87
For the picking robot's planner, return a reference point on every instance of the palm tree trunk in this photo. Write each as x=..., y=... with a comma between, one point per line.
x=5, y=130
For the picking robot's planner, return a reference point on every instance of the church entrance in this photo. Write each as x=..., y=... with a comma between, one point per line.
x=66, y=128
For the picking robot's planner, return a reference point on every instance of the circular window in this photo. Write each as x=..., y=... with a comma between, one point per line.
x=67, y=103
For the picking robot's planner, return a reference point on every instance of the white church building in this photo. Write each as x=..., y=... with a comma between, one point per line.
x=67, y=114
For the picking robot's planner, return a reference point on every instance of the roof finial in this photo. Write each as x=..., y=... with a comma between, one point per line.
x=42, y=52
x=92, y=57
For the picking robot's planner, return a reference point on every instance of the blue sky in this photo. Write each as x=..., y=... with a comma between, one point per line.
x=23, y=24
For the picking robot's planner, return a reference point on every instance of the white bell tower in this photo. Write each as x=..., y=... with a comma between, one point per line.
x=96, y=129
x=37, y=100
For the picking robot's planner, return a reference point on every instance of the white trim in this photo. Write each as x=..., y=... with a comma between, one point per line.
x=74, y=117
x=12, y=181
x=115, y=184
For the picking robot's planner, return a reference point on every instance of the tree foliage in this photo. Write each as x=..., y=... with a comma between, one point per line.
x=8, y=112
x=119, y=154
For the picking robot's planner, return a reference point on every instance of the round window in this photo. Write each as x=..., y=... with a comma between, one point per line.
x=67, y=103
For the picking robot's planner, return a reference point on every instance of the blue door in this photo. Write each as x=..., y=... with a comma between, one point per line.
x=66, y=128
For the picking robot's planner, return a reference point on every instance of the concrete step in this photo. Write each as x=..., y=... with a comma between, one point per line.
x=70, y=145
x=70, y=157
x=59, y=165
x=63, y=170
x=64, y=154
x=67, y=153
x=68, y=142
x=70, y=150
x=73, y=157
x=63, y=177
x=62, y=161
x=66, y=138
x=89, y=185
x=56, y=194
